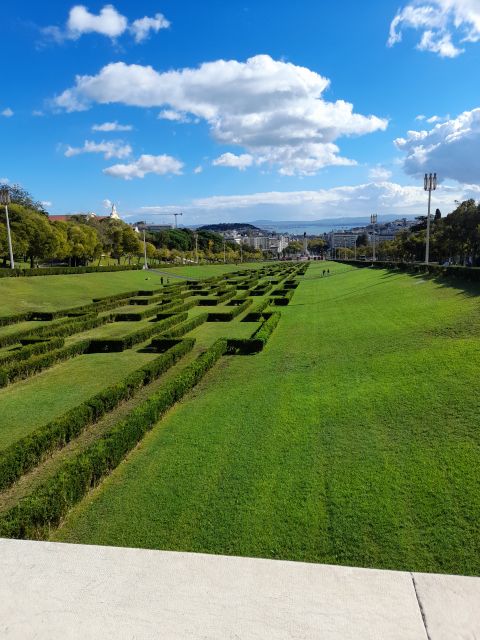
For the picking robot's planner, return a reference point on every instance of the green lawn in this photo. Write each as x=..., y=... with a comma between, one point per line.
x=46, y=293
x=352, y=438
x=33, y=402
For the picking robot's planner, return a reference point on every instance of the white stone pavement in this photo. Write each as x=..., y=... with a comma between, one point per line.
x=50, y=590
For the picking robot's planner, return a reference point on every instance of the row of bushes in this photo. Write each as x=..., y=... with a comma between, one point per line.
x=28, y=452
x=185, y=327
x=59, y=271
x=108, y=345
x=24, y=368
x=227, y=316
x=255, y=313
x=44, y=508
x=260, y=337
x=69, y=327
x=32, y=349
x=465, y=273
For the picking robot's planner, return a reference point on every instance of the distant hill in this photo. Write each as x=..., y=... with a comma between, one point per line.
x=241, y=227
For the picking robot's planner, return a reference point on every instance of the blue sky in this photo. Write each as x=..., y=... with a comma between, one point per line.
x=273, y=110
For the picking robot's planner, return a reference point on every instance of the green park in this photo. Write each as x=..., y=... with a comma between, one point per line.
x=305, y=410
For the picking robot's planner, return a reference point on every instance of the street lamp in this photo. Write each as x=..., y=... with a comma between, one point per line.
x=5, y=200
x=145, y=263
x=373, y=221
x=429, y=184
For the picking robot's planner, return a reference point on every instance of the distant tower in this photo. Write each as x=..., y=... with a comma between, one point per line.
x=305, y=247
x=114, y=215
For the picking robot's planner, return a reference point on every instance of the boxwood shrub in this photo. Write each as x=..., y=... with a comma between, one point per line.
x=33, y=516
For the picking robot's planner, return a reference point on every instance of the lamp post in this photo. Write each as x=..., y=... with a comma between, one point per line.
x=145, y=263
x=5, y=200
x=196, y=248
x=429, y=184
x=373, y=221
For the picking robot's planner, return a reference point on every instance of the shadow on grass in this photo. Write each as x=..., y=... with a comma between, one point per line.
x=465, y=287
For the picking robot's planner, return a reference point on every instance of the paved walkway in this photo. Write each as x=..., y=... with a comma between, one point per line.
x=50, y=591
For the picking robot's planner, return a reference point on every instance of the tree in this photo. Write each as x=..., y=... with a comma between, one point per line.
x=19, y=195
x=362, y=240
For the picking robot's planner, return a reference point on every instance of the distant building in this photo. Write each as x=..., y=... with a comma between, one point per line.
x=342, y=239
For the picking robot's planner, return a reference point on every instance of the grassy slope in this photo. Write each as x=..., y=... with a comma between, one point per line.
x=351, y=439
x=33, y=402
x=57, y=292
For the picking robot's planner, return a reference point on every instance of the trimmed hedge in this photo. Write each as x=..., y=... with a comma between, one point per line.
x=44, y=508
x=465, y=273
x=32, y=349
x=60, y=271
x=107, y=345
x=260, y=337
x=25, y=368
x=255, y=314
x=185, y=327
x=227, y=316
x=28, y=452
x=19, y=317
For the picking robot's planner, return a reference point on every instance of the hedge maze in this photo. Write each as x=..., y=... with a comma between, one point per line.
x=180, y=330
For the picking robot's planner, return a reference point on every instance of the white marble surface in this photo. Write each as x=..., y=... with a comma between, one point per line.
x=51, y=590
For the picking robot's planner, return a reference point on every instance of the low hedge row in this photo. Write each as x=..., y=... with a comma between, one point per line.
x=135, y=316
x=32, y=349
x=260, y=337
x=465, y=273
x=255, y=313
x=227, y=316
x=282, y=300
x=56, y=271
x=28, y=452
x=108, y=345
x=177, y=306
x=185, y=327
x=19, y=317
x=44, y=508
x=25, y=368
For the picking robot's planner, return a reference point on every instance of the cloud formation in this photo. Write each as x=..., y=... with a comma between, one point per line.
x=231, y=160
x=113, y=149
x=108, y=22
x=274, y=110
x=450, y=149
x=111, y=126
x=379, y=173
x=7, y=113
x=439, y=21
x=385, y=198
x=145, y=164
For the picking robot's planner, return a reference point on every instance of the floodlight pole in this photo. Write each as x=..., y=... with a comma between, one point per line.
x=429, y=184
x=5, y=200
x=145, y=263
x=373, y=221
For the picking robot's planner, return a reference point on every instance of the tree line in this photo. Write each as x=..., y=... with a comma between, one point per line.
x=82, y=240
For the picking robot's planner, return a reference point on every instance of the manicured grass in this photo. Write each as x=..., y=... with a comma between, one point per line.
x=37, y=400
x=352, y=438
x=47, y=293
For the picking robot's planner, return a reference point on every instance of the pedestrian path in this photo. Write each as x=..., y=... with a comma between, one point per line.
x=50, y=590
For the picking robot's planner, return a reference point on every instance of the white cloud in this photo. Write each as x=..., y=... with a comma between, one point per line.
x=107, y=204
x=160, y=165
x=386, y=198
x=173, y=116
x=420, y=117
x=379, y=173
x=111, y=149
x=7, y=113
x=46, y=203
x=231, y=160
x=141, y=28
x=111, y=126
x=274, y=110
x=108, y=22
x=37, y=113
x=4, y=181
x=450, y=149
x=198, y=169
x=439, y=21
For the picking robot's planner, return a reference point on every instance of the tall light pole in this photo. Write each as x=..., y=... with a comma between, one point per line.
x=373, y=221
x=145, y=263
x=196, y=248
x=5, y=200
x=429, y=184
